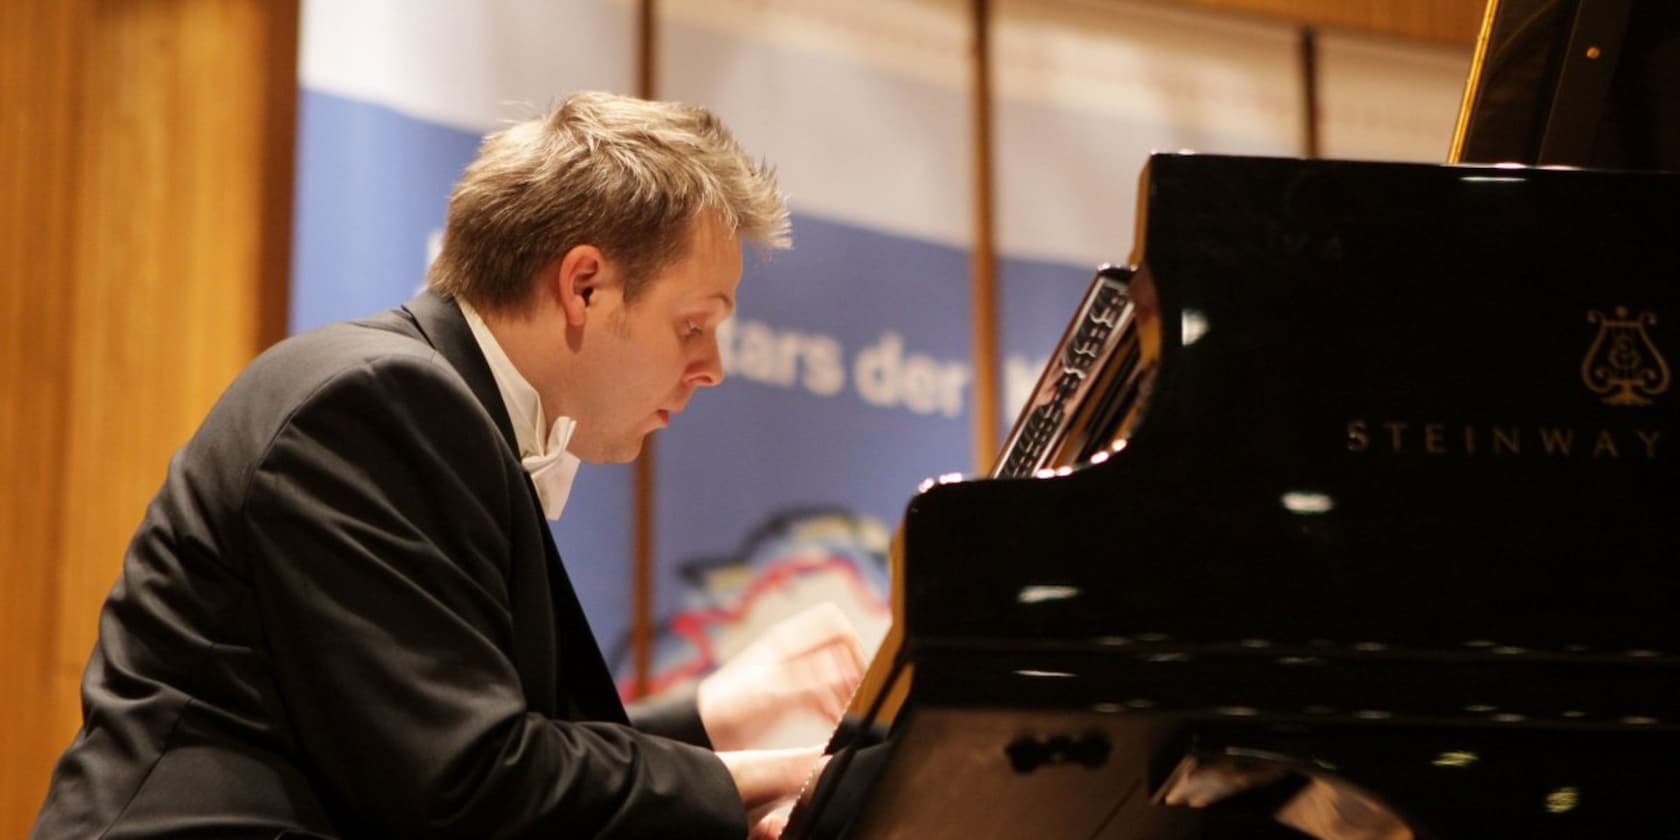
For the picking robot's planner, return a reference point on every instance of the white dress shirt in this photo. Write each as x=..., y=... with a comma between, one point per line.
x=542, y=447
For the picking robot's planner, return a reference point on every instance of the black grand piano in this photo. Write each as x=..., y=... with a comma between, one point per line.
x=1350, y=508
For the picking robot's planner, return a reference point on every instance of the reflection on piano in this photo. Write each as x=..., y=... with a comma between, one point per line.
x=1350, y=508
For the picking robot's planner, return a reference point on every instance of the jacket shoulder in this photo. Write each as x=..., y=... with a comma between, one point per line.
x=330, y=368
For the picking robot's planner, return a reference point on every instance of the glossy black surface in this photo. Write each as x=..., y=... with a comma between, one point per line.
x=1331, y=294
x=1301, y=550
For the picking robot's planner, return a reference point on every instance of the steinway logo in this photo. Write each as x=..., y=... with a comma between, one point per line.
x=1623, y=366
x=1406, y=438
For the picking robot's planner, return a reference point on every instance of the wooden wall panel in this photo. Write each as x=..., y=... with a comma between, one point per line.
x=40, y=53
x=1441, y=21
x=169, y=305
x=151, y=268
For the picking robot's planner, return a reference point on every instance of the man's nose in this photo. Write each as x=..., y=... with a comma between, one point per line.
x=707, y=370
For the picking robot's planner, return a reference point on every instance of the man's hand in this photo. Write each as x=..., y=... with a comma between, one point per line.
x=805, y=667
x=768, y=781
x=771, y=825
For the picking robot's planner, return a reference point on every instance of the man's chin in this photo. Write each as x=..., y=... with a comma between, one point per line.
x=622, y=454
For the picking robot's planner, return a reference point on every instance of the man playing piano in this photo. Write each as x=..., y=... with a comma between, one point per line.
x=343, y=614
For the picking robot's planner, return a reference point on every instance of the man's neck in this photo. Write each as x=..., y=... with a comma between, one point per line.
x=529, y=346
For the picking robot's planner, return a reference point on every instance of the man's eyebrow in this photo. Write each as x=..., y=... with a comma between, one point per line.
x=728, y=302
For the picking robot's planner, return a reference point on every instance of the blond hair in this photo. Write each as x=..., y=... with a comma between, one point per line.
x=628, y=176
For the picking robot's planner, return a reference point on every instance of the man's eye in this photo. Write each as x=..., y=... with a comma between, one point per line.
x=692, y=328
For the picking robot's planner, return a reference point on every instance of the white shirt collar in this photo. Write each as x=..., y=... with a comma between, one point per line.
x=542, y=446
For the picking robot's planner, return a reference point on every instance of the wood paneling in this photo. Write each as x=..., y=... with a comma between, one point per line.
x=145, y=252
x=1441, y=21
x=40, y=55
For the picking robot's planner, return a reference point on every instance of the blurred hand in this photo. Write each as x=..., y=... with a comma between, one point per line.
x=771, y=825
x=807, y=664
x=1208, y=783
x=769, y=781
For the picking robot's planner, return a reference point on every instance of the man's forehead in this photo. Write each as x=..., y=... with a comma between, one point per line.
x=690, y=292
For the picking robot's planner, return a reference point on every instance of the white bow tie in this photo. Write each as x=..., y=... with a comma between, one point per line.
x=553, y=471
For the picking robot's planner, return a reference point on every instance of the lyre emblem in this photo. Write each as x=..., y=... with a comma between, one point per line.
x=1623, y=367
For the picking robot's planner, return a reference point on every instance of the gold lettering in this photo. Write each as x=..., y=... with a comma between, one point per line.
x=1557, y=441
x=1395, y=428
x=1604, y=444
x=1507, y=439
x=1650, y=438
x=1447, y=438
x=1435, y=439
x=1357, y=438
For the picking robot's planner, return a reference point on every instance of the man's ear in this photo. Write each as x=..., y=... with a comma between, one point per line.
x=581, y=273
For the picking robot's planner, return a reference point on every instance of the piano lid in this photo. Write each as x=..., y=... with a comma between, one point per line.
x=1419, y=407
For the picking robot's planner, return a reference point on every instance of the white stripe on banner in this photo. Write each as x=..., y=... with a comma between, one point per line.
x=925, y=41
x=1204, y=73
x=862, y=107
x=1387, y=100
x=1086, y=92
x=470, y=65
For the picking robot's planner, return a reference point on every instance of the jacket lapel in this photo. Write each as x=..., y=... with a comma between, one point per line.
x=588, y=682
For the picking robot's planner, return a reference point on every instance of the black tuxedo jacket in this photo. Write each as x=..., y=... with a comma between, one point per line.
x=344, y=615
